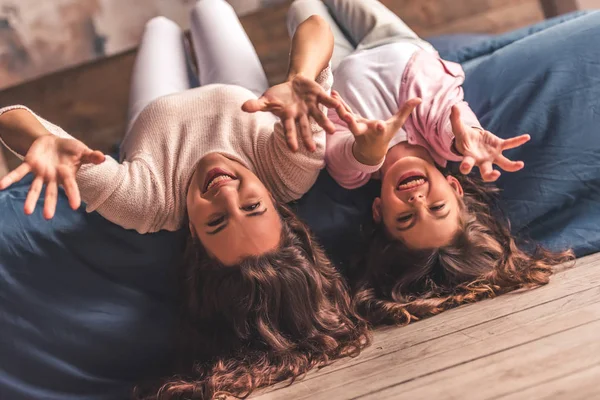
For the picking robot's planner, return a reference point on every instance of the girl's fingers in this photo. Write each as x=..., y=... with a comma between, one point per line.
x=33, y=195
x=327, y=101
x=255, y=105
x=487, y=172
x=343, y=103
x=290, y=134
x=15, y=176
x=51, y=199
x=515, y=142
x=322, y=120
x=306, y=133
x=455, y=121
x=509, y=165
x=72, y=192
x=466, y=166
x=398, y=119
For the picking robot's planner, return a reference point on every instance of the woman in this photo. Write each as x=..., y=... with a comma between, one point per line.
x=261, y=302
x=437, y=240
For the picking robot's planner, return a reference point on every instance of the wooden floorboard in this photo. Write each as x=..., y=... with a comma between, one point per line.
x=415, y=357
x=584, y=379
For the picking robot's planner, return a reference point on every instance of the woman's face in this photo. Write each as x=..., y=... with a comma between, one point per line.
x=231, y=211
x=418, y=205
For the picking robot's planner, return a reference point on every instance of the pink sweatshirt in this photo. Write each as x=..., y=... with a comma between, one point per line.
x=375, y=83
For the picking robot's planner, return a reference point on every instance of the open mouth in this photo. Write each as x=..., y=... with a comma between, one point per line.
x=217, y=177
x=411, y=180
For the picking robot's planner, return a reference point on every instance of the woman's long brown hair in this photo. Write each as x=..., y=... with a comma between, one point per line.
x=400, y=285
x=269, y=319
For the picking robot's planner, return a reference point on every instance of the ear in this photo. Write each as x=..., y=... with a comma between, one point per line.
x=377, y=214
x=455, y=185
x=192, y=230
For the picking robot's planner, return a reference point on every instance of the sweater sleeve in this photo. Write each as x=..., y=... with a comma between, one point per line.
x=122, y=193
x=343, y=167
x=294, y=172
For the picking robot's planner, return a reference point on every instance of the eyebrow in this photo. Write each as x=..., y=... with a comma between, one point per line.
x=224, y=225
x=414, y=222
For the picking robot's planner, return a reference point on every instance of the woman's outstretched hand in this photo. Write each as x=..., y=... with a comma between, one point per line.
x=53, y=161
x=293, y=102
x=372, y=137
x=483, y=149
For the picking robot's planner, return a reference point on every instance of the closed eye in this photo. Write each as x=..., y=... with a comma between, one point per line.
x=437, y=207
x=216, y=221
x=404, y=218
x=251, y=207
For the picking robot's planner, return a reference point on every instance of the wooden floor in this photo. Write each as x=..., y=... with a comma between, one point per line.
x=538, y=344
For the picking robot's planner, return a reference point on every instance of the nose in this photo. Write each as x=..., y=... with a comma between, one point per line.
x=227, y=196
x=416, y=198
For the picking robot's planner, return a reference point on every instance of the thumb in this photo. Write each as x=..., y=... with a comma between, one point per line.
x=93, y=157
x=254, y=105
x=398, y=119
x=455, y=121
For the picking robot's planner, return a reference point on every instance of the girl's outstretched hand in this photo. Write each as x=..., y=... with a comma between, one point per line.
x=372, y=137
x=483, y=149
x=293, y=102
x=53, y=161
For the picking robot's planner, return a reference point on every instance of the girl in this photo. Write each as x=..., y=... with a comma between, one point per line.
x=260, y=300
x=436, y=242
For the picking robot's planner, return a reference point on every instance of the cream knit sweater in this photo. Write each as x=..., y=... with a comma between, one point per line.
x=147, y=190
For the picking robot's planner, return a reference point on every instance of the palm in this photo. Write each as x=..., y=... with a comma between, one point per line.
x=49, y=155
x=483, y=149
x=372, y=137
x=53, y=161
x=294, y=102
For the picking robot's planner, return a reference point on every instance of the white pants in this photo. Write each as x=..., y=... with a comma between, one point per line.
x=224, y=54
x=356, y=25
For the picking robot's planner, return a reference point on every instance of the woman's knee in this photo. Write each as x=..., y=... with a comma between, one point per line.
x=161, y=22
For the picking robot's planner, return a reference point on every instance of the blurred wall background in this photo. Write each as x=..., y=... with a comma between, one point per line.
x=42, y=36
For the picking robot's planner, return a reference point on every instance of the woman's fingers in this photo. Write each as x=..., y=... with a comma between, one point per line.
x=466, y=166
x=290, y=133
x=398, y=119
x=93, y=157
x=72, y=191
x=515, y=142
x=255, y=105
x=15, y=176
x=327, y=100
x=345, y=105
x=487, y=172
x=509, y=165
x=322, y=120
x=33, y=195
x=50, y=199
x=306, y=133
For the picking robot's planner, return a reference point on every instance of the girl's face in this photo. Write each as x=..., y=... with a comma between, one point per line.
x=231, y=211
x=418, y=205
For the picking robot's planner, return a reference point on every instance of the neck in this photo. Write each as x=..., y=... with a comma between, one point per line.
x=402, y=150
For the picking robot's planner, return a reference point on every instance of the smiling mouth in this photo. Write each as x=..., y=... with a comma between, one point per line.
x=217, y=177
x=411, y=182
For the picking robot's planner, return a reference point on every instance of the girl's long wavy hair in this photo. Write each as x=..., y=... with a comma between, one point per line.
x=400, y=285
x=268, y=319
